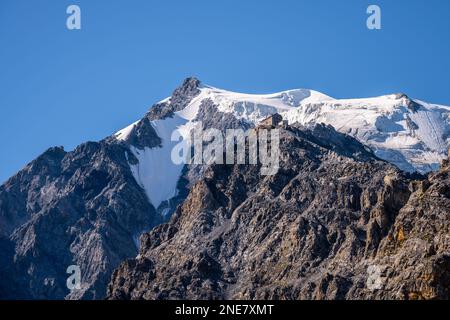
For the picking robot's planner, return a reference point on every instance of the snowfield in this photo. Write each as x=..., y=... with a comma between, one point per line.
x=412, y=134
x=414, y=139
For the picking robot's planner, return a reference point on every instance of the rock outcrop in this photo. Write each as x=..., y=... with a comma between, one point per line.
x=414, y=258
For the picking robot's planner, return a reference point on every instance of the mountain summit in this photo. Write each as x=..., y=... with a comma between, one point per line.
x=412, y=134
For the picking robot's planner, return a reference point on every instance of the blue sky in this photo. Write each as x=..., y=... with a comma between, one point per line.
x=61, y=87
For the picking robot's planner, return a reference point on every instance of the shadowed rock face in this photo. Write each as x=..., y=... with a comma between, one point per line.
x=178, y=101
x=325, y=226
x=78, y=208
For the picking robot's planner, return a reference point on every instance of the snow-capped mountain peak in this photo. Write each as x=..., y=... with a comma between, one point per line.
x=412, y=134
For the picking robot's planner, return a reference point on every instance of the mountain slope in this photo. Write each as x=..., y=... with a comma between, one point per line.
x=318, y=229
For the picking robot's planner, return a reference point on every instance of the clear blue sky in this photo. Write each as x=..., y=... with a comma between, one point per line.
x=61, y=87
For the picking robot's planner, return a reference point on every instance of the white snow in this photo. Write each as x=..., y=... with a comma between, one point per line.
x=125, y=132
x=256, y=107
x=155, y=171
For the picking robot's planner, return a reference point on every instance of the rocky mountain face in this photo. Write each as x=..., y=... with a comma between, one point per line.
x=79, y=208
x=82, y=208
x=414, y=258
x=335, y=222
